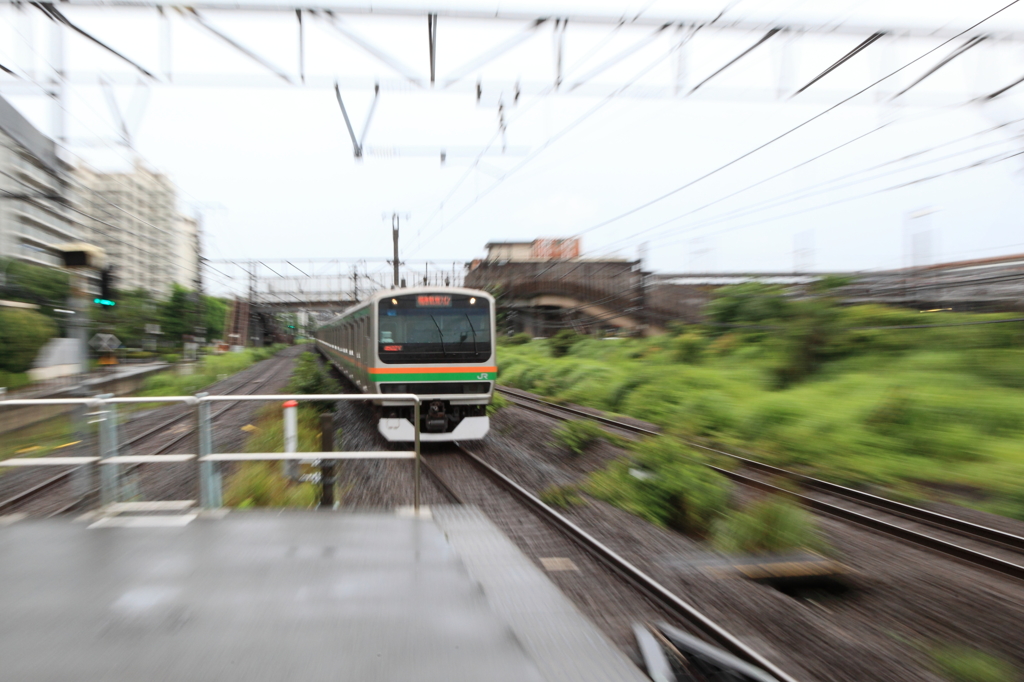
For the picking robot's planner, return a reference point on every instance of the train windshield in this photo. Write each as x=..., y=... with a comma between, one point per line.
x=434, y=328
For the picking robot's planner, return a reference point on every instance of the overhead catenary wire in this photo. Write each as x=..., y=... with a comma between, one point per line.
x=551, y=140
x=792, y=130
x=469, y=170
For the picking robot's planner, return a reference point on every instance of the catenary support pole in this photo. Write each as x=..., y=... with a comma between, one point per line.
x=394, y=237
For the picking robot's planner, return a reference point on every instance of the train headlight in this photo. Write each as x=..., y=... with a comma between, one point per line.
x=472, y=301
x=394, y=302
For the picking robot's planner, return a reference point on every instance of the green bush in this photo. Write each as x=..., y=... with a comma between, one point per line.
x=22, y=334
x=689, y=348
x=577, y=435
x=562, y=496
x=170, y=357
x=772, y=524
x=562, y=342
x=309, y=377
x=911, y=409
x=959, y=663
x=665, y=483
x=519, y=339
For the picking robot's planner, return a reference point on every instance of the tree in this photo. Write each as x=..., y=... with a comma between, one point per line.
x=216, y=312
x=46, y=287
x=748, y=303
x=22, y=334
x=135, y=309
x=178, y=314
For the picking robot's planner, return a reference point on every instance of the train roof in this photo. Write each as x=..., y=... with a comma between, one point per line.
x=388, y=293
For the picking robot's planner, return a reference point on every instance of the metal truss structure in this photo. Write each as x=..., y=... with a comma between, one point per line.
x=685, y=49
x=319, y=284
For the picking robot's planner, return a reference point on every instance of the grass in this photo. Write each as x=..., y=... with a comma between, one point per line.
x=209, y=370
x=13, y=382
x=578, y=434
x=262, y=484
x=959, y=663
x=910, y=411
x=562, y=496
x=770, y=525
x=665, y=483
x=38, y=440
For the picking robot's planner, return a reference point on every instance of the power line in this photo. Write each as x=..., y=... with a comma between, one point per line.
x=806, y=192
x=793, y=129
x=977, y=164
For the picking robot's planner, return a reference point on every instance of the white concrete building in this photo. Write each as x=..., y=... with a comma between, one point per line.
x=34, y=217
x=136, y=221
x=186, y=251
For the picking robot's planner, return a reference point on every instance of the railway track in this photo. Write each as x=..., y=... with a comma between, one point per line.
x=985, y=547
x=41, y=488
x=665, y=602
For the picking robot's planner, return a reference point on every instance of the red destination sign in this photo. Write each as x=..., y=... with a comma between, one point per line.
x=392, y=348
x=434, y=301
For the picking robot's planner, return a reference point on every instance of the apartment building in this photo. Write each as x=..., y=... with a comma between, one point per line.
x=35, y=214
x=186, y=251
x=135, y=220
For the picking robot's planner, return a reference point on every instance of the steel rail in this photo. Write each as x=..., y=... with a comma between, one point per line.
x=659, y=594
x=24, y=495
x=941, y=521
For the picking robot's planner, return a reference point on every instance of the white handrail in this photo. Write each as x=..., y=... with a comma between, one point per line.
x=206, y=460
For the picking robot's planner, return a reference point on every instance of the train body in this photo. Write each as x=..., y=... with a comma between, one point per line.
x=437, y=343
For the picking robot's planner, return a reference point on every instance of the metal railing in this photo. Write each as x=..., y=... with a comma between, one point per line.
x=109, y=458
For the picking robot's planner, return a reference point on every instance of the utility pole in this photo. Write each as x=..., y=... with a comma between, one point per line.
x=394, y=237
x=395, y=221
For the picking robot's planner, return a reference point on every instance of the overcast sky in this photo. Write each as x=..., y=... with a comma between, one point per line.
x=273, y=170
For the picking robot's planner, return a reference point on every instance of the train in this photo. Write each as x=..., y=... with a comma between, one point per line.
x=438, y=343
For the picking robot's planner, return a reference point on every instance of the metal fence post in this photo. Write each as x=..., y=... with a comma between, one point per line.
x=328, y=467
x=210, y=494
x=109, y=478
x=416, y=483
x=291, y=438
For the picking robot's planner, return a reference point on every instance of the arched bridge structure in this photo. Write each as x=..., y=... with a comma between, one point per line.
x=542, y=297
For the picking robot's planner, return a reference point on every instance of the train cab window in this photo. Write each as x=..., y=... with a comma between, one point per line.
x=434, y=328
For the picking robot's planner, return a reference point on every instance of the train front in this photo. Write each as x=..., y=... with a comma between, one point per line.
x=438, y=344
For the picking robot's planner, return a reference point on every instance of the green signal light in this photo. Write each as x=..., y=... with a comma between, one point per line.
x=103, y=301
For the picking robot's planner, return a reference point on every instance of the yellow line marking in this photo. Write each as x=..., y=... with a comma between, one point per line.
x=24, y=450
x=74, y=442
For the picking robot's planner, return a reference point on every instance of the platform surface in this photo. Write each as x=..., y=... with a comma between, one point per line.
x=294, y=596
